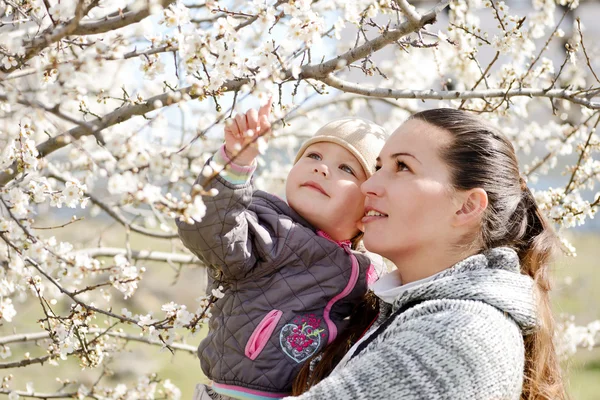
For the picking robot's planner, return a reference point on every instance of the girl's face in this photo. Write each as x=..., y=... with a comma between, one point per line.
x=324, y=188
x=409, y=204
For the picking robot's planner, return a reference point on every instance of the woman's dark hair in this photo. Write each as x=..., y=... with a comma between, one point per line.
x=481, y=157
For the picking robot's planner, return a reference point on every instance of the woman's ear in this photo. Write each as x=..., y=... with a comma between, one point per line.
x=472, y=205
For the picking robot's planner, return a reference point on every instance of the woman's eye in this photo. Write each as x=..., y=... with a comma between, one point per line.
x=314, y=156
x=347, y=169
x=401, y=166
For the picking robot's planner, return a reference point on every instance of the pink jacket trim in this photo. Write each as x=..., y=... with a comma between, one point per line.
x=232, y=388
x=260, y=337
x=340, y=243
x=239, y=169
x=349, y=287
x=372, y=275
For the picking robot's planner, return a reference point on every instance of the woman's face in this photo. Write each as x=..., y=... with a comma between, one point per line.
x=409, y=205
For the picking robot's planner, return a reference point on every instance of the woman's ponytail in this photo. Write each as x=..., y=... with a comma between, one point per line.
x=536, y=247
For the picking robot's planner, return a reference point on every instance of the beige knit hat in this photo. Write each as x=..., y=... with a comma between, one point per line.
x=361, y=137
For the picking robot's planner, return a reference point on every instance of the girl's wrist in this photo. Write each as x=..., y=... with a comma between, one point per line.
x=240, y=159
x=233, y=172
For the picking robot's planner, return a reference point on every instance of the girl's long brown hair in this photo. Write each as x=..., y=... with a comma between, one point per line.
x=481, y=157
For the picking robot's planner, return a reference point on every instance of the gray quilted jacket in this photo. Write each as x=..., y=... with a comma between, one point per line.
x=462, y=338
x=287, y=288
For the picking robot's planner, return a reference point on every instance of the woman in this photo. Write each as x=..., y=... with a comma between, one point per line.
x=470, y=315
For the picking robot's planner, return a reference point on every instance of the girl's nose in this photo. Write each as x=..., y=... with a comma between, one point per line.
x=321, y=169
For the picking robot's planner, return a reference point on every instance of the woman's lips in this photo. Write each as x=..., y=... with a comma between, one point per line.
x=315, y=186
x=372, y=214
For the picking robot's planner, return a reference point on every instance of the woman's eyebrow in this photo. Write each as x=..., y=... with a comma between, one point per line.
x=395, y=155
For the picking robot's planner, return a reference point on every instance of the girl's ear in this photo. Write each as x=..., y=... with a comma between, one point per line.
x=472, y=205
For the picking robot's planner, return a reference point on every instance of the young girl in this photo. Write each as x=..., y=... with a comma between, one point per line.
x=290, y=273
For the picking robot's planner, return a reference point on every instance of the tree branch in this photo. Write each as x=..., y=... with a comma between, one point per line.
x=350, y=87
x=362, y=51
x=309, y=71
x=114, y=213
x=52, y=34
x=35, y=265
x=34, y=336
x=409, y=11
x=140, y=255
x=26, y=361
x=40, y=395
x=113, y=22
x=587, y=58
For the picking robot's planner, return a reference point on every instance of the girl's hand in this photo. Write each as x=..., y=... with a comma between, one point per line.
x=241, y=133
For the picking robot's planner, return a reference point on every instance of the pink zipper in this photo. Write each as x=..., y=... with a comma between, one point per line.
x=349, y=287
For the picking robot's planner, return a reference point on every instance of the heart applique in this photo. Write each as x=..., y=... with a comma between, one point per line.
x=300, y=341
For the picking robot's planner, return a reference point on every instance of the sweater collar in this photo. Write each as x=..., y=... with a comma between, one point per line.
x=492, y=277
x=389, y=287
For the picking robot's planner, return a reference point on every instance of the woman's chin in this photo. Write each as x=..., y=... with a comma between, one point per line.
x=373, y=244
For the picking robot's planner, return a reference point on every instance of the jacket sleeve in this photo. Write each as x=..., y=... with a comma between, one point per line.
x=226, y=237
x=429, y=357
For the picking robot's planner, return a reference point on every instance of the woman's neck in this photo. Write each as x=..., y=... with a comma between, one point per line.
x=416, y=265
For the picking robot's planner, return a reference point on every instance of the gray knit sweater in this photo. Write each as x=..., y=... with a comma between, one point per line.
x=464, y=340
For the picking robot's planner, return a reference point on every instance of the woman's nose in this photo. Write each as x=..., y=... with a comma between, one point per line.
x=371, y=186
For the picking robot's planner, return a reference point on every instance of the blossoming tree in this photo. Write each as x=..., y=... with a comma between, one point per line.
x=113, y=107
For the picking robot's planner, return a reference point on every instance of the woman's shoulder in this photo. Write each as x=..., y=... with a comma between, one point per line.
x=449, y=315
x=469, y=335
x=467, y=328
x=456, y=348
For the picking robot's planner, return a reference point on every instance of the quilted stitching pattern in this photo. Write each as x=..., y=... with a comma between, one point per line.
x=270, y=259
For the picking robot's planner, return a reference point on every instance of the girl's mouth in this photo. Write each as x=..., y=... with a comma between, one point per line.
x=315, y=186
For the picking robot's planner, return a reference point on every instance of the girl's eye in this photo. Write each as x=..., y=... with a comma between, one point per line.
x=401, y=166
x=347, y=169
x=314, y=156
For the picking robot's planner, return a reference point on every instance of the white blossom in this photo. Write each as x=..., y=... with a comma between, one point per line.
x=5, y=352
x=571, y=336
x=195, y=211
x=176, y=14
x=73, y=194
x=7, y=310
x=145, y=320
x=171, y=391
x=124, y=276
x=19, y=202
x=63, y=10
x=218, y=293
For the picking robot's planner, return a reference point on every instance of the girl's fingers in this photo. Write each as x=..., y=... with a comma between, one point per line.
x=230, y=127
x=265, y=125
x=252, y=119
x=266, y=109
x=240, y=120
